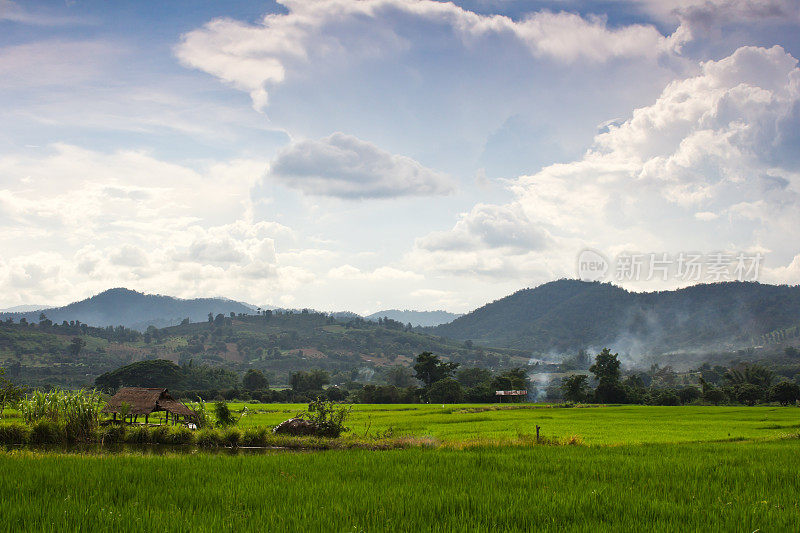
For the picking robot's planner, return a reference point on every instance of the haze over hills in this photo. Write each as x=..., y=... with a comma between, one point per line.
x=415, y=318
x=567, y=315
x=134, y=310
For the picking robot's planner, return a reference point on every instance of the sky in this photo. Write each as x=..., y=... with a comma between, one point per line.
x=372, y=154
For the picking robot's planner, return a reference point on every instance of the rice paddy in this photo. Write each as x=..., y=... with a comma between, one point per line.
x=640, y=468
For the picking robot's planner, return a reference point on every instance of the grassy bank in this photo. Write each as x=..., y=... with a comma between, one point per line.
x=714, y=486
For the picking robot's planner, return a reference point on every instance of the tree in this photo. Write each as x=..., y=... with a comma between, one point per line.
x=574, y=387
x=156, y=373
x=748, y=394
x=446, y=390
x=429, y=369
x=785, y=393
x=689, y=394
x=400, y=376
x=255, y=380
x=473, y=377
x=313, y=380
x=10, y=394
x=606, y=366
x=606, y=370
x=76, y=346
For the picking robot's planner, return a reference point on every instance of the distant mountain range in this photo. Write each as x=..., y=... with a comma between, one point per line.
x=555, y=318
x=567, y=315
x=135, y=310
x=415, y=318
x=124, y=307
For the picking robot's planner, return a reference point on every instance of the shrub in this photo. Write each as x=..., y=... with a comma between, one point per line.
x=224, y=415
x=328, y=419
x=138, y=435
x=47, y=432
x=209, y=438
x=112, y=434
x=255, y=437
x=14, y=433
x=785, y=393
x=158, y=435
x=180, y=435
x=232, y=437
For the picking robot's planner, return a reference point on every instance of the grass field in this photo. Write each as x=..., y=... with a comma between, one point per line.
x=643, y=469
x=633, y=424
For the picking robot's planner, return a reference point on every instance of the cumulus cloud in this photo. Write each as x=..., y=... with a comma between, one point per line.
x=254, y=57
x=344, y=166
x=128, y=218
x=349, y=272
x=710, y=161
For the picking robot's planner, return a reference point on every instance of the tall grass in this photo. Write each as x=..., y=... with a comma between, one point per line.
x=77, y=411
x=659, y=488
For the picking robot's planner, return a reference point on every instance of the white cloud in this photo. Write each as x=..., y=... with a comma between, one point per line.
x=712, y=162
x=346, y=167
x=255, y=57
x=349, y=272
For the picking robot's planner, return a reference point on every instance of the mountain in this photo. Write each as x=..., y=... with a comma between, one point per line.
x=415, y=318
x=23, y=308
x=134, y=310
x=568, y=315
x=277, y=343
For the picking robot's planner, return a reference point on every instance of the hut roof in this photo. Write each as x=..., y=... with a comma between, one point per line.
x=145, y=401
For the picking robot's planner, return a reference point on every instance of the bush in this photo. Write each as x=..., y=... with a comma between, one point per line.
x=209, y=438
x=178, y=435
x=232, y=437
x=224, y=416
x=138, y=435
x=327, y=419
x=785, y=393
x=446, y=390
x=255, y=437
x=112, y=434
x=47, y=432
x=158, y=435
x=14, y=434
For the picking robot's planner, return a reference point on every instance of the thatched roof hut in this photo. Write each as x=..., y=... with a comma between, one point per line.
x=146, y=401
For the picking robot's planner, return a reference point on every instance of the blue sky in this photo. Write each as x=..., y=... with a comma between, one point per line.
x=368, y=154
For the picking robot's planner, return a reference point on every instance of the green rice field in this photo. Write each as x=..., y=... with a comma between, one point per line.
x=638, y=469
x=630, y=424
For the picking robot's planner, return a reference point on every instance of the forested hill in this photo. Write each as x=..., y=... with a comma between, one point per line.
x=124, y=307
x=568, y=315
x=415, y=318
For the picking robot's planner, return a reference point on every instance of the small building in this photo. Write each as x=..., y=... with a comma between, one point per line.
x=141, y=401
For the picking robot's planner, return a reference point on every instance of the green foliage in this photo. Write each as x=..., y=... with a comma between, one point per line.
x=14, y=433
x=327, y=417
x=255, y=437
x=209, y=438
x=137, y=435
x=112, y=434
x=225, y=418
x=312, y=380
x=748, y=393
x=78, y=411
x=46, y=431
x=430, y=369
x=574, y=388
x=10, y=394
x=156, y=373
x=785, y=393
x=473, y=377
x=446, y=390
x=255, y=380
x=231, y=437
